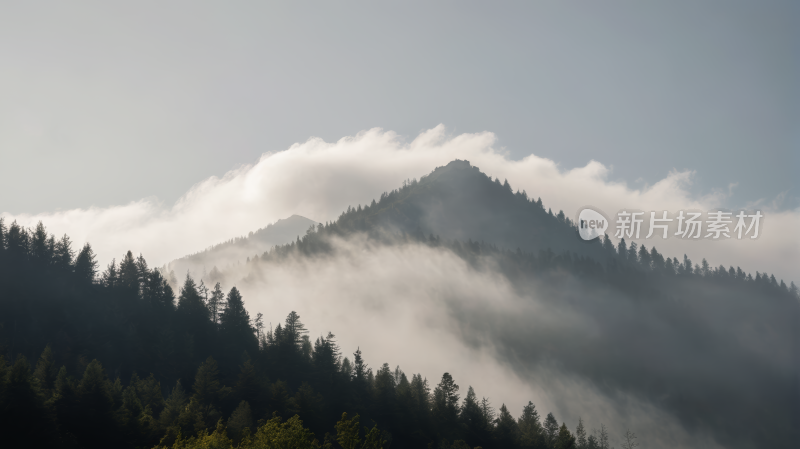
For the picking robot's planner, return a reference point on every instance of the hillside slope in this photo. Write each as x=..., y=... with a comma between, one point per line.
x=238, y=249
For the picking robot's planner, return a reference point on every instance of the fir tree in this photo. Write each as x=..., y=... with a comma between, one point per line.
x=565, y=439
x=86, y=264
x=550, y=429
x=530, y=429
x=580, y=434
x=506, y=429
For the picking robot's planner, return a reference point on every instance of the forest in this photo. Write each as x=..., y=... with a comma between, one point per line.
x=129, y=357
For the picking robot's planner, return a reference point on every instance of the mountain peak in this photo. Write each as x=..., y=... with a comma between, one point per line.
x=459, y=164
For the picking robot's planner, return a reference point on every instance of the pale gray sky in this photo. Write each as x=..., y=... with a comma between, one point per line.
x=103, y=104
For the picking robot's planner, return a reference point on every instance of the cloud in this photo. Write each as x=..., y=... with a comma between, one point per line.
x=320, y=179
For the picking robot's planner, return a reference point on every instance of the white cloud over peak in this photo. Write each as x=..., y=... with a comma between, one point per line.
x=319, y=179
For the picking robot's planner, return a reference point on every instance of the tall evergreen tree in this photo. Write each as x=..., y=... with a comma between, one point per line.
x=86, y=264
x=471, y=417
x=445, y=408
x=565, y=439
x=550, y=430
x=506, y=430
x=530, y=429
x=190, y=303
x=235, y=323
x=629, y=440
x=97, y=426
x=129, y=273
x=46, y=371
x=580, y=434
x=207, y=387
x=109, y=277
x=216, y=302
x=63, y=255
x=40, y=250
x=22, y=408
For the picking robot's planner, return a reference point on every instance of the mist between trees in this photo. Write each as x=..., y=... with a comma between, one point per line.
x=682, y=357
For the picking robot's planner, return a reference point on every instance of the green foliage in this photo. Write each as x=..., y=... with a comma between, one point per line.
x=275, y=434
x=347, y=432
x=550, y=430
x=46, y=371
x=506, y=429
x=348, y=436
x=565, y=439
x=207, y=386
x=531, y=433
x=240, y=422
x=580, y=435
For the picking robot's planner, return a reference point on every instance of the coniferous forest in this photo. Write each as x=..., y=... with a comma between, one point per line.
x=130, y=356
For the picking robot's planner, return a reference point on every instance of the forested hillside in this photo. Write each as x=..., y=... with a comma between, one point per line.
x=239, y=249
x=120, y=358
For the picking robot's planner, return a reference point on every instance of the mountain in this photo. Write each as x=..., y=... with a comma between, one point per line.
x=459, y=202
x=239, y=249
x=683, y=354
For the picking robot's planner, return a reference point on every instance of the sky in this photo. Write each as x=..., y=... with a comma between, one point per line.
x=105, y=104
x=164, y=128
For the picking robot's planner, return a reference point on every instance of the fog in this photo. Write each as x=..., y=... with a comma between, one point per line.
x=670, y=371
x=318, y=180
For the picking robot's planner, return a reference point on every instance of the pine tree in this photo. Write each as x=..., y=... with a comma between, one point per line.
x=17, y=243
x=189, y=302
x=86, y=264
x=109, y=277
x=148, y=390
x=530, y=429
x=40, y=251
x=129, y=273
x=279, y=400
x=602, y=438
x=472, y=419
x=360, y=368
x=96, y=406
x=248, y=386
x=46, y=371
x=215, y=302
x=63, y=255
x=629, y=440
x=142, y=274
x=622, y=249
x=644, y=258
x=3, y=232
x=294, y=329
x=241, y=419
x=633, y=254
x=506, y=430
x=23, y=408
x=550, y=430
x=580, y=434
x=347, y=432
x=445, y=406
x=173, y=406
x=565, y=439
x=158, y=292
x=207, y=387
x=235, y=321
